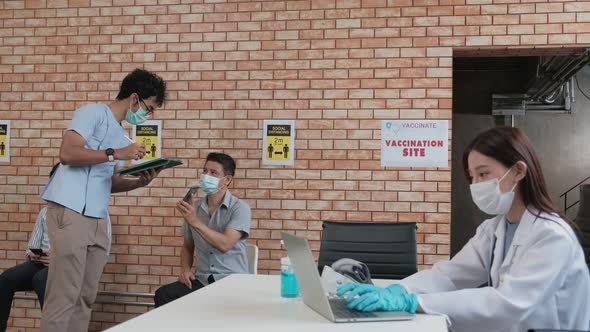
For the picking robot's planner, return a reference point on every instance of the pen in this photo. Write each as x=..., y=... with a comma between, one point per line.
x=129, y=139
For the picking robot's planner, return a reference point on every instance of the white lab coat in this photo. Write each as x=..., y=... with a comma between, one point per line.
x=542, y=283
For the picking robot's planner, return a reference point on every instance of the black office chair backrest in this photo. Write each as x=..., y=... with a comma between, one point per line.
x=582, y=220
x=388, y=249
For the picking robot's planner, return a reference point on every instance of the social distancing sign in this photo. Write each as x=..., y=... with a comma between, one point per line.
x=278, y=147
x=415, y=143
x=4, y=140
x=149, y=134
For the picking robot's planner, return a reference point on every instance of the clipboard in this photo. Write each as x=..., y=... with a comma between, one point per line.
x=152, y=164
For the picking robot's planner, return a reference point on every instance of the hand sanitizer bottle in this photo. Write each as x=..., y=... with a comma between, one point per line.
x=289, y=287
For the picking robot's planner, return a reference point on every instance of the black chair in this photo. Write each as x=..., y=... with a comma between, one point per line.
x=388, y=249
x=583, y=220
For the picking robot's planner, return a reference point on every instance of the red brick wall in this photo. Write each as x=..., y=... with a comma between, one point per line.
x=335, y=66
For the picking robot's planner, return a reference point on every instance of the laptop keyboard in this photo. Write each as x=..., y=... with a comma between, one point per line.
x=340, y=310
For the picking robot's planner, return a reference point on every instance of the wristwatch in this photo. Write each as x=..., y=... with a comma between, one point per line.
x=110, y=154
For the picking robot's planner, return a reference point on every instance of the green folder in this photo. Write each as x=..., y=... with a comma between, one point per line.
x=152, y=164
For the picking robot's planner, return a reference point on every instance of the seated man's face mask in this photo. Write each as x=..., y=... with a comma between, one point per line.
x=209, y=184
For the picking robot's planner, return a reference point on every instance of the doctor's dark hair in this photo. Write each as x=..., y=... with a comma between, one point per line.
x=508, y=146
x=228, y=163
x=145, y=83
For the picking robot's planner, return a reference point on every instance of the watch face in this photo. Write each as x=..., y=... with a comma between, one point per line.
x=110, y=154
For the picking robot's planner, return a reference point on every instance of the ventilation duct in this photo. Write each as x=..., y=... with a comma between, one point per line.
x=551, y=90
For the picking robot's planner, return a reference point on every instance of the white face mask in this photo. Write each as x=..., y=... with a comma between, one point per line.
x=490, y=199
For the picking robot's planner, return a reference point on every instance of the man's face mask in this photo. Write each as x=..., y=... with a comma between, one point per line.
x=490, y=199
x=136, y=118
x=209, y=184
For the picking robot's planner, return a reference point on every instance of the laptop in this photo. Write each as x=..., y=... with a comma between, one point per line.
x=314, y=296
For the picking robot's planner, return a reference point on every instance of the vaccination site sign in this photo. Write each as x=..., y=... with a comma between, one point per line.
x=149, y=134
x=4, y=140
x=278, y=144
x=414, y=143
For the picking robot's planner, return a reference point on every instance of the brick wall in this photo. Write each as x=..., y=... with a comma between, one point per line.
x=335, y=66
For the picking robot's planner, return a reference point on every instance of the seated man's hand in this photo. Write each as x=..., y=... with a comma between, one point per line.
x=186, y=278
x=44, y=259
x=393, y=298
x=32, y=257
x=188, y=213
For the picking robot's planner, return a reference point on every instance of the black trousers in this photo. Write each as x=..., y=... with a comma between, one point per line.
x=24, y=277
x=176, y=290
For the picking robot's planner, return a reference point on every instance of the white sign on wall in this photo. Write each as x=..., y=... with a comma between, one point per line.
x=414, y=143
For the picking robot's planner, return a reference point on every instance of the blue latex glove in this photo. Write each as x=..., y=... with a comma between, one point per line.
x=361, y=289
x=371, y=298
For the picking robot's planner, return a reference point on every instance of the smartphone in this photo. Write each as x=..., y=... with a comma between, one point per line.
x=37, y=251
x=190, y=193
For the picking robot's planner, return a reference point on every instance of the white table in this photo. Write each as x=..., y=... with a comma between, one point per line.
x=244, y=302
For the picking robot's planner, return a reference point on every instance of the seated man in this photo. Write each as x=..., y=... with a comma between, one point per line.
x=30, y=275
x=215, y=230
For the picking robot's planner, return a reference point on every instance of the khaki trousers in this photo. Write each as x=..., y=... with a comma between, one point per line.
x=78, y=255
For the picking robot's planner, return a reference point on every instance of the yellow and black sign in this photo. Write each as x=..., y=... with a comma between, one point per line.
x=278, y=143
x=149, y=135
x=4, y=140
x=279, y=140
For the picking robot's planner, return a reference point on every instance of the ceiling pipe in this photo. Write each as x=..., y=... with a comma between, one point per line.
x=566, y=70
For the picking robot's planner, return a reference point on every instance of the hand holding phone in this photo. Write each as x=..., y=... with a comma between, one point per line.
x=44, y=259
x=189, y=195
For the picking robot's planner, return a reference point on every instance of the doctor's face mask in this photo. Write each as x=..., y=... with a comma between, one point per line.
x=138, y=117
x=489, y=198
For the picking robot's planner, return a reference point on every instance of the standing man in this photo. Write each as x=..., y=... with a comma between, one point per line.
x=215, y=230
x=94, y=145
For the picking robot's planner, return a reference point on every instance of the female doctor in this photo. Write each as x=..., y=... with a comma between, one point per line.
x=523, y=269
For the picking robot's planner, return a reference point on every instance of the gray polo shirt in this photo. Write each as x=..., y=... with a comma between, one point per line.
x=232, y=213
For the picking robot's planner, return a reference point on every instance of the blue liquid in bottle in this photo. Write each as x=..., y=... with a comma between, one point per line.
x=289, y=286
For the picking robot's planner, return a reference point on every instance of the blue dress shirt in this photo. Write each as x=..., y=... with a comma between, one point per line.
x=87, y=189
